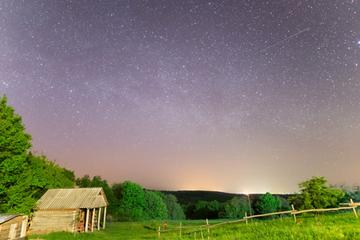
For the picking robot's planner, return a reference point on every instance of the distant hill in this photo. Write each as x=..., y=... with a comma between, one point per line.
x=188, y=197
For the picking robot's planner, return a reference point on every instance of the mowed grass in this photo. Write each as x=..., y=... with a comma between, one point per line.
x=322, y=226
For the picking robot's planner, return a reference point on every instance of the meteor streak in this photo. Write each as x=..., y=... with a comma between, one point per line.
x=284, y=40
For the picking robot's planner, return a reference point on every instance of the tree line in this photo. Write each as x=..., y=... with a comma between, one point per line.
x=25, y=177
x=314, y=193
x=129, y=201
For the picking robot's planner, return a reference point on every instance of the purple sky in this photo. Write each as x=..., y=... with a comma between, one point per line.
x=239, y=96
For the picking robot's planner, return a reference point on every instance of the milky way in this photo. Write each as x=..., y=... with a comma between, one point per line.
x=223, y=95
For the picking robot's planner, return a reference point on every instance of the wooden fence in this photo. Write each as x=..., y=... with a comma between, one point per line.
x=206, y=227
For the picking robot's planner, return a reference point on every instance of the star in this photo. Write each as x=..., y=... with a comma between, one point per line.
x=208, y=85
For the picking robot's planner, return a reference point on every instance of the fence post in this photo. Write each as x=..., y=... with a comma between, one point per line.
x=354, y=208
x=159, y=230
x=180, y=228
x=293, y=213
x=208, y=229
x=246, y=220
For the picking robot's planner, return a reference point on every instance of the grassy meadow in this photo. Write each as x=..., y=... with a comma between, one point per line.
x=320, y=226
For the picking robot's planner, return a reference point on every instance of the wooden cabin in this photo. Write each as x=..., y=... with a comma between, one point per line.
x=13, y=226
x=70, y=210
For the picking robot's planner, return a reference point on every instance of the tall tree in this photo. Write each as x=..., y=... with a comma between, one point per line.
x=236, y=207
x=267, y=203
x=14, y=146
x=132, y=201
x=207, y=209
x=24, y=177
x=38, y=175
x=14, y=141
x=155, y=207
x=175, y=210
x=284, y=204
x=316, y=193
x=97, y=181
x=84, y=181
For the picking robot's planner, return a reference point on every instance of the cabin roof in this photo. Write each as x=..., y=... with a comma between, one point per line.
x=72, y=198
x=7, y=217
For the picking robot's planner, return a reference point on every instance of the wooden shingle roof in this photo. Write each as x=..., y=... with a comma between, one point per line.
x=7, y=217
x=72, y=198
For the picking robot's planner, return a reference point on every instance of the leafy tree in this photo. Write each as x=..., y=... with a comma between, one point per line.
x=236, y=207
x=97, y=181
x=38, y=175
x=24, y=177
x=14, y=141
x=284, y=204
x=14, y=145
x=135, y=203
x=315, y=193
x=267, y=203
x=84, y=181
x=174, y=209
x=354, y=195
x=44, y=174
x=350, y=193
x=132, y=201
x=155, y=207
x=206, y=209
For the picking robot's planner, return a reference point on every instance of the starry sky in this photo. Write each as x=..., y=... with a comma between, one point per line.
x=228, y=95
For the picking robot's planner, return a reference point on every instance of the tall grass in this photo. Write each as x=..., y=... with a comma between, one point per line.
x=319, y=226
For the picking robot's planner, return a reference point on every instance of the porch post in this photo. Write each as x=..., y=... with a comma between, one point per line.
x=87, y=220
x=23, y=227
x=99, y=219
x=92, y=219
x=104, y=218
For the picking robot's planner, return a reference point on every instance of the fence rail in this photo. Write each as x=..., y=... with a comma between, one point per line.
x=199, y=228
x=269, y=214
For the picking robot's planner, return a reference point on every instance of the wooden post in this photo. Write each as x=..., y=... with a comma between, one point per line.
x=208, y=229
x=248, y=195
x=87, y=220
x=99, y=219
x=246, y=220
x=180, y=228
x=104, y=218
x=23, y=227
x=354, y=208
x=294, y=215
x=75, y=224
x=92, y=219
x=159, y=230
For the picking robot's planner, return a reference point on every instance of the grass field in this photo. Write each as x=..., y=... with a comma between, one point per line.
x=329, y=226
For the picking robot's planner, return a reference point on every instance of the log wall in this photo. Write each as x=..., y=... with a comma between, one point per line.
x=45, y=221
x=12, y=229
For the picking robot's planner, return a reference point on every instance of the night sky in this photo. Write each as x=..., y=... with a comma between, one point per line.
x=238, y=96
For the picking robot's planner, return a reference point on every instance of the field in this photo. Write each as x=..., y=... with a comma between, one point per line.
x=320, y=226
